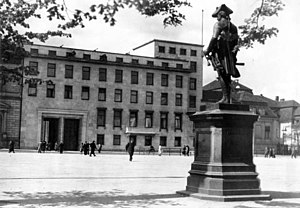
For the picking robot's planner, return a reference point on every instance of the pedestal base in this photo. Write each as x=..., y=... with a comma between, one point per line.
x=223, y=168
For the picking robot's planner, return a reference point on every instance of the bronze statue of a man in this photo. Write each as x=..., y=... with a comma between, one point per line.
x=222, y=50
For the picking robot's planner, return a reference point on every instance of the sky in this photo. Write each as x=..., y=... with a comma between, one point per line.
x=270, y=69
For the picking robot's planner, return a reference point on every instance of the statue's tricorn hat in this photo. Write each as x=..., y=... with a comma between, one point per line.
x=223, y=8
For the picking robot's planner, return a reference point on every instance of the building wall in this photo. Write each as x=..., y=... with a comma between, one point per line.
x=37, y=108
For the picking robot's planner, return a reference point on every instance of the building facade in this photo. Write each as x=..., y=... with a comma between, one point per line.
x=111, y=97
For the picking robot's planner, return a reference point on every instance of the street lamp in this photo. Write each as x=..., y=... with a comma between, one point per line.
x=283, y=137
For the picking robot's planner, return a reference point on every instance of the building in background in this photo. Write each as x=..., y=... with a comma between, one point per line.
x=111, y=97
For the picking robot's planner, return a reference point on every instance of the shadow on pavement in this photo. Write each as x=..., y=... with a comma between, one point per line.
x=114, y=198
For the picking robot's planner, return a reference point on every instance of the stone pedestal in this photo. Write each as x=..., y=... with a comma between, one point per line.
x=223, y=168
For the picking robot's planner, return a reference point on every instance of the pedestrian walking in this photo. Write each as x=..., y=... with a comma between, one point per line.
x=86, y=148
x=100, y=148
x=267, y=151
x=187, y=150
x=81, y=148
x=61, y=147
x=43, y=146
x=130, y=149
x=56, y=146
x=93, y=148
x=11, y=146
x=293, y=152
x=40, y=147
x=184, y=150
x=151, y=149
x=159, y=150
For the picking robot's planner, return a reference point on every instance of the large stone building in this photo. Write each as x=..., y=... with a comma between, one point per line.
x=111, y=97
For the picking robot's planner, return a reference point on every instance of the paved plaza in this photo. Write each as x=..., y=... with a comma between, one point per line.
x=29, y=179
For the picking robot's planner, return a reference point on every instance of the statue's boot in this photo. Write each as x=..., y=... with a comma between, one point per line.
x=225, y=91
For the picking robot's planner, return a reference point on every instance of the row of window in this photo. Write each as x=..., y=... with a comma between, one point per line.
x=147, y=140
x=118, y=95
x=86, y=74
x=133, y=119
x=173, y=50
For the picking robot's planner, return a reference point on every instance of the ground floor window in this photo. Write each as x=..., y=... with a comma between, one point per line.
x=177, y=142
x=100, y=139
x=117, y=140
x=163, y=141
x=148, y=140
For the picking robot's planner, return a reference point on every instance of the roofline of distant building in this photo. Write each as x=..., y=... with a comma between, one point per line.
x=167, y=41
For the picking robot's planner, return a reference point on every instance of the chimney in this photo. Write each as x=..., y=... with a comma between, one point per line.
x=281, y=100
x=277, y=98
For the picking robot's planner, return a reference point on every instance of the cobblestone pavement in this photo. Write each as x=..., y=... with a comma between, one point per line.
x=29, y=179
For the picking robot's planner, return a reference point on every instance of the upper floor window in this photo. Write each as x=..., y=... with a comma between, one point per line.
x=133, y=118
x=164, y=99
x=135, y=61
x=134, y=77
x=34, y=51
x=118, y=95
x=164, y=80
x=85, y=93
x=182, y=51
x=193, y=83
x=172, y=50
x=161, y=49
x=178, y=99
x=32, y=89
x=86, y=56
x=102, y=94
x=69, y=71
x=117, y=122
x=267, y=132
x=102, y=74
x=68, y=92
x=149, y=97
x=119, y=60
x=193, y=65
x=149, y=78
x=33, y=66
x=178, y=121
x=50, y=91
x=192, y=101
x=51, y=53
x=179, y=66
x=101, y=116
x=51, y=70
x=193, y=52
x=164, y=120
x=86, y=73
x=178, y=81
x=150, y=63
x=118, y=76
x=165, y=64
x=133, y=96
x=149, y=119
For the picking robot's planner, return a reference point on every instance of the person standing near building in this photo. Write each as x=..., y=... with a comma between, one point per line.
x=61, y=147
x=93, y=148
x=159, y=150
x=130, y=149
x=293, y=152
x=11, y=146
x=86, y=148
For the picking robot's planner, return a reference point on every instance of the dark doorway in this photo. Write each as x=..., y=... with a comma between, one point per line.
x=133, y=137
x=71, y=130
x=50, y=126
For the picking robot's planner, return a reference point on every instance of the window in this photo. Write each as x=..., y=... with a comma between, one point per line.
x=164, y=80
x=161, y=49
x=102, y=74
x=178, y=121
x=34, y=51
x=165, y=64
x=86, y=56
x=148, y=140
x=135, y=61
x=193, y=83
x=70, y=54
x=68, y=92
x=193, y=52
x=118, y=76
x=33, y=68
x=192, y=103
x=69, y=71
x=178, y=99
x=32, y=89
x=163, y=141
x=149, y=78
x=164, y=120
x=100, y=139
x=179, y=66
x=148, y=119
x=50, y=91
x=193, y=65
x=149, y=97
x=51, y=69
x=118, y=95
x=119, y=60
x=172, y=50
x=117, y=140
x=150, y=63
x=133, y=96
x=133, y=118
x=134, y=77
x=85, y=93
x=117, y=118
x=101, y=116
x=267, y=132
x=102, y=94
x=51, y=53
x=86, y=73
x=103, y=58
x=164, y=99
x=178, y=81
x=177, y=142
x=182, y=51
